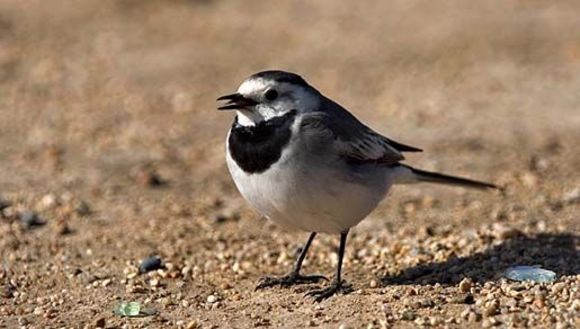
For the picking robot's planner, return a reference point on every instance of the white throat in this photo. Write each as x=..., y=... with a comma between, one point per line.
x=249, y=118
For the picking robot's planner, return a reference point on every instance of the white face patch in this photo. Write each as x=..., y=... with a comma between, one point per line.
x=252, y=86
x=291, y=97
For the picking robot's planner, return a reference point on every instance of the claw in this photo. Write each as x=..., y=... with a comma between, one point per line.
x=265, y=282
x=324, y=293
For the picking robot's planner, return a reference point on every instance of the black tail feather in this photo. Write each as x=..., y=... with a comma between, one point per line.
x=403, y=147
x=433, y=177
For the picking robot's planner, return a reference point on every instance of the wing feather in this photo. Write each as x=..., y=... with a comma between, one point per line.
x=350, y=138
x=331, y=125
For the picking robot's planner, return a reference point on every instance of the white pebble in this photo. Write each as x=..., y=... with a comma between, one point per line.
x=212, y=299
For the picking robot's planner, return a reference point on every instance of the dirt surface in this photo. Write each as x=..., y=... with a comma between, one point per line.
x=111, y=151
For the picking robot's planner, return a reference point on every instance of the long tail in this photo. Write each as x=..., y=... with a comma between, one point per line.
x=409, y=175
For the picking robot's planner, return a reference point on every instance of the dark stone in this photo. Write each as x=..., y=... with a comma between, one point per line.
x=4, y=204
x=150, y=264
x=30, y=219
x=100, y=323
x=469, y=299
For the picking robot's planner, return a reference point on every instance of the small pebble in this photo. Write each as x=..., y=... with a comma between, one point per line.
x=4, y=204
x=226, y=215
x=48, y=201
x=539, y=303
x=192, y=325
x=220, y=218
x=150, y=264
x=345, y=326
x=186, y=270
x=572, y=196
x=420, y=322
x=30, y=219
x=433, y=321
x=539, y=163
x=474, y=317
x=528, y=179
x=558, y=287
x=38, y=310
x=465, y=285
x=147, y=177
x=408, y=315
x=491, y=309
x=100, y=323
x=212, y=299
x=503, y=232
x=489, y=322
x=149, y=311
x=82, y=208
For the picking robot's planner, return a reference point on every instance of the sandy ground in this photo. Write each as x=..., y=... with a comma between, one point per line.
x=109, y=134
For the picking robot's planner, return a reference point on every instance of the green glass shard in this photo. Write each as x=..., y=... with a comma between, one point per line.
x=128, y=309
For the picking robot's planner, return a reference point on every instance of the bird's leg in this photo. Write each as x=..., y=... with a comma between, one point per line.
x=293, y=277
x=337, y=285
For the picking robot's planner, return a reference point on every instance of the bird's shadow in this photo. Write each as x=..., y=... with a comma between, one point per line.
x=559, y=252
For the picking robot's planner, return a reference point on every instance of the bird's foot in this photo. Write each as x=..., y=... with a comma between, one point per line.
x=334, y=288
x=288, y=280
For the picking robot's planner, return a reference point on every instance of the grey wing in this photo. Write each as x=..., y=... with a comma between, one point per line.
x=349, y=138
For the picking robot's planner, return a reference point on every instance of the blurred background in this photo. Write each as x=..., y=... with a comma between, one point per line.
x=109, y=84
x=108, y=120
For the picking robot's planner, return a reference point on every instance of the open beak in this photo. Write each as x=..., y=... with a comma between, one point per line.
x=236, y=101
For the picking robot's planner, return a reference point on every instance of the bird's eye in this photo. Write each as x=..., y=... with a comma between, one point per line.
x=271, y=94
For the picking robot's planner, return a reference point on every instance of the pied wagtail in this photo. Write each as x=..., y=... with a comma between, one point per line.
x=308, y=164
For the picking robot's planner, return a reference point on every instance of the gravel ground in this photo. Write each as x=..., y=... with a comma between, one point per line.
x=111, y=152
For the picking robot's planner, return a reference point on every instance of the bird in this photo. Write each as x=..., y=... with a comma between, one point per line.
x=308, y=164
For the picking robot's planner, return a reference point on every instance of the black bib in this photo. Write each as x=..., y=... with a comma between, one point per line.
x=256, y=148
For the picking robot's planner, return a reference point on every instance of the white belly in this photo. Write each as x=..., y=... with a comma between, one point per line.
x=298, y=194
